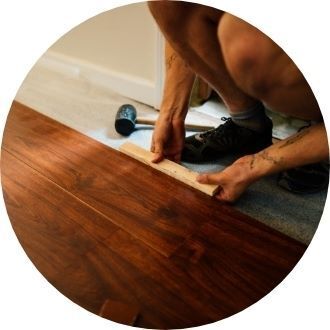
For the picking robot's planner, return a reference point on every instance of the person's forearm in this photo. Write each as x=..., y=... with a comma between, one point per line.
x=306, y=147
x=178, y=85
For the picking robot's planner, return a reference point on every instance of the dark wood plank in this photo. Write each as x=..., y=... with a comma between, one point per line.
x=115, y=235
x=239, y=263
x=90, y=260
x=36, y=188
x=218, y=272
x=119, y=312
x=155, y=205
x=105, y=179
x=50, y=223
x=164, y=297
x=63, y=239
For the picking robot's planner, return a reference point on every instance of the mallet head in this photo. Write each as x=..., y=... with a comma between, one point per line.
x=125, y=119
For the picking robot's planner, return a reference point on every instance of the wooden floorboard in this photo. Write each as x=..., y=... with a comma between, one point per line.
x=90, y=265
x=106, y=179
x=238, y=265
x=101, y=226
x=54, y=228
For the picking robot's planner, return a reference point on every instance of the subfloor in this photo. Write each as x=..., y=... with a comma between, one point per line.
x=116, y=236
x=72, y=100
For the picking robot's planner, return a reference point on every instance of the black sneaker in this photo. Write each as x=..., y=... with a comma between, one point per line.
x=227, y=139
x=306, y=179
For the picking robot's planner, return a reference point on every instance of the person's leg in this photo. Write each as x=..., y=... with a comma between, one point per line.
x=262, y=69
x=191, y=29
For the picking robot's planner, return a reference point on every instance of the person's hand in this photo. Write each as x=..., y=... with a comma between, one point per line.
x=168, y=139
x=233, y=180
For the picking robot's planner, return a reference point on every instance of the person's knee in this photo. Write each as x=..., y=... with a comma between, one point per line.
x=161, y=11
x=246, y=58
x=168, y=15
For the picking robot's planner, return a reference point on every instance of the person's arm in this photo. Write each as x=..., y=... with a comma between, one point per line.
x=169, y=133
x=305, y=147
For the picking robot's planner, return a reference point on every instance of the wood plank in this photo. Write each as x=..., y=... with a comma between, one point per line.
x=54, y=228
x=13, y=173
x=64, y=241
x=119, y=312
x=109, y=181
x=165, y=295
x=105, y=179
x=65, y=205
x=237, y=262
x=168, y=167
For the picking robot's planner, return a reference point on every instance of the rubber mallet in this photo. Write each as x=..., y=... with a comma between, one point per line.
x=126, y=119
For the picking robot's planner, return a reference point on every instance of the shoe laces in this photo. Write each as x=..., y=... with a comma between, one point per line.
x=218, y=131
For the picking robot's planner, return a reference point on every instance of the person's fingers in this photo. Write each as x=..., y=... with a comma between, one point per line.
x=221, y=196
x=158, y=151
x=170, y=156
x=209, y=178
x=158, y=157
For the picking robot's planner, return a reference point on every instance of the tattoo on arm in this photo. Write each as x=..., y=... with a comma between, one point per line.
x=265, y=155
x=294, y=138
x=170, y=60
x=252, y=161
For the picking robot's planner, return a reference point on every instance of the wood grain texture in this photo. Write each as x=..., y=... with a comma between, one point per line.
x=50, y=224
x=97, y=227
x=168, y=167
x=105, y=179
x=90, y=265
x=119, y=312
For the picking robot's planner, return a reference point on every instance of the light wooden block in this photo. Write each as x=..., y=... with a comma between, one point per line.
x=168, y=167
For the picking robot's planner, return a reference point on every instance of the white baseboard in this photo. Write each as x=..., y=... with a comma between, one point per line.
x=130, y=86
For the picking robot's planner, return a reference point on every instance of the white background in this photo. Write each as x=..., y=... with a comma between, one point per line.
x=27, y=29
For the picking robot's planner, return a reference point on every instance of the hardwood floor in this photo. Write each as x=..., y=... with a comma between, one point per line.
x=126, y=241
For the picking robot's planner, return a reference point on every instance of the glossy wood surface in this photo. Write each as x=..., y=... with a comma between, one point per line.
x=126, y=241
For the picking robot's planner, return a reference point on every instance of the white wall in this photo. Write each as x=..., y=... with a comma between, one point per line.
x=125, y=43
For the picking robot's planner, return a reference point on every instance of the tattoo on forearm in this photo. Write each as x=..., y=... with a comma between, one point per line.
x=170, y=60
x=265, y=155
x=294, y=138
x=252, y=161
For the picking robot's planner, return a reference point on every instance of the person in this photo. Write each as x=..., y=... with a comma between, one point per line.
x=248, y=71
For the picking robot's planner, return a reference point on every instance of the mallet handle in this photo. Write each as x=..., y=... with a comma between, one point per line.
x=188, y=126
x=147, y=121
